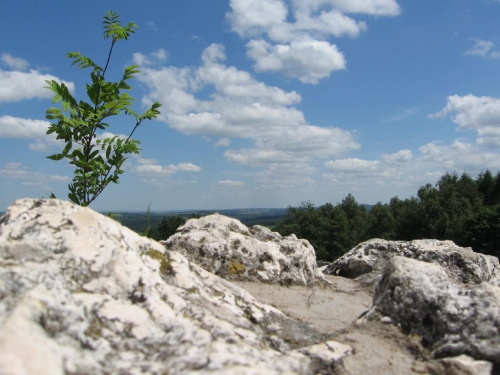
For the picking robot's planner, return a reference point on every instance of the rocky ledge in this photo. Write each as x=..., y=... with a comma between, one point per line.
x=80, y=294
x=227, y=248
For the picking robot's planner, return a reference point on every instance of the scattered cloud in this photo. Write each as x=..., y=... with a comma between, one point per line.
x=15, y=170
x=307, y=60
x=400, y=157
x=241, y=107
x=352, y=165
x=484, y=48
x=479, y=113
x=151, y=167
x=292, y=37
x=15, y=127
x=459, y=156
x=230, y=183
x=12, y=62
x=17, y=85
x=156, y=57
x=21, y=128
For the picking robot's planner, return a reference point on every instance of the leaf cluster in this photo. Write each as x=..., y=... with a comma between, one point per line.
x=97, y=162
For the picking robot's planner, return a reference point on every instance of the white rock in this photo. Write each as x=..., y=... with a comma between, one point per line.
x=227, y=248
x=452, y=319
x=461, y=264
x=461, y=365
x=81, y=294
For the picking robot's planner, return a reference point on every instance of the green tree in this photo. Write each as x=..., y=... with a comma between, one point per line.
x=97, y=162
x=356, y=218
x=166, y=228
x=380, y=222
x=487, y=186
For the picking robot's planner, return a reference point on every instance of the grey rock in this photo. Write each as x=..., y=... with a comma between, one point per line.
x=451, y=318
x=461, y=365
x=80, y=294
x=368, y=259
x=227, y=248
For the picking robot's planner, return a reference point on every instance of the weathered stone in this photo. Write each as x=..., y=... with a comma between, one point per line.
x=227, y=248
x=80, y=294
x=451, y=318
x=461, y=365
x=462, y=264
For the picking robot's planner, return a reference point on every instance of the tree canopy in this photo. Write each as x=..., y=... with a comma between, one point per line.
x=457, y=208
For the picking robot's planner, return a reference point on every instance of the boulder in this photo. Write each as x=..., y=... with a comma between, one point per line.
x=462, y=264
x=451, y=318
x=227, y=248
x=81, y=294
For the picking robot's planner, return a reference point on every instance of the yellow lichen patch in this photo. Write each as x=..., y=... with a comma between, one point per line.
x=165, y=262
x=235, y=268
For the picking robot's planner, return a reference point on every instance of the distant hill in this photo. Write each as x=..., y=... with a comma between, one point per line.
x=137, y=221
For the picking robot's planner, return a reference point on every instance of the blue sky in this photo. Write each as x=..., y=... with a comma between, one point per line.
x=266, y=103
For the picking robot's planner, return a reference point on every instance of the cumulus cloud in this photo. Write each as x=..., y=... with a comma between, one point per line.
x=292, y=37
x=484, y=48
x=470, y=112
x=151, y=167
x=239, y=106
x=153, y=58
x=17, y=85
x=15, y=127
x=460, y=156
x=400, y=157
x=230, y=183
x=307, y=60
x=352, y=165
x=15, y=170
x=21, y=128
x=12, y=62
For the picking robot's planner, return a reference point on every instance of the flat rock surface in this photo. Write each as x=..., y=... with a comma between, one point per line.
x=327, y=308
x=379, y=348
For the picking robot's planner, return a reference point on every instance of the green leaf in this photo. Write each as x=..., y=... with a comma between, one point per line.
x=55, y=157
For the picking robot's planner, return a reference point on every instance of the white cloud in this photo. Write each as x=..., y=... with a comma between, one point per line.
x=370, y=7
x=15, y=127
x=460, y=156
x=15, y=170
x=230, y=183
x=253, y=17
x=150, y=167
x=352, y=165
x=153, y=58
x=307, y=60
x=16, y=86
x=292, y=37
x=400, y=157
x=12, y=62
x=484, y=48
x=241, y=107
x=470, y=112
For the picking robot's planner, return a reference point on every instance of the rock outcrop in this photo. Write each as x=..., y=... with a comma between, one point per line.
x=80, y=294
x=451, y=318
x=227, y=248
x=462, y=264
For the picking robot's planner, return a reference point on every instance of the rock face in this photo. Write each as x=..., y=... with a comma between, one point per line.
x=226, y=247
x=452, y=319
x=462, y=264
x=80, y=294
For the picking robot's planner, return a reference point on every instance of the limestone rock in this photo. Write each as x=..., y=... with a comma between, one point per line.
x=461, y=365
x=227, y=248
x=80, y=294
x=462, y=264
x=451, y=318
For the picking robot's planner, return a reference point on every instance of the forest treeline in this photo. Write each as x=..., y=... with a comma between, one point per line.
x=457, y=208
